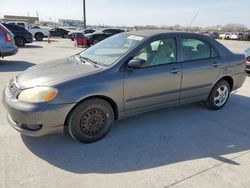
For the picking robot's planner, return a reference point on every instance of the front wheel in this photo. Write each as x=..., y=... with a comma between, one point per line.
x=219, y=95
x=90, y=121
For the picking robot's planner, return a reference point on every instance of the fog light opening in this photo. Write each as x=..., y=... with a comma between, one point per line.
x=31, y=127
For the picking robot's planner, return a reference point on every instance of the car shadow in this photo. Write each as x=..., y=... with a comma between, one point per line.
x=46, y=40
x=14, y=66
x=154, y=139
x=31, y=46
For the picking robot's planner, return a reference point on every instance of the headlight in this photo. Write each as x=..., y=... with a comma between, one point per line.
x=38, y=94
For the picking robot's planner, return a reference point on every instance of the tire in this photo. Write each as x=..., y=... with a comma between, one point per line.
x=20, y=41
x=39, y=36
x=219, y=95
x=90, y=121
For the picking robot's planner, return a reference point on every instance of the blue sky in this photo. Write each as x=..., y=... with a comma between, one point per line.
x=135, y=12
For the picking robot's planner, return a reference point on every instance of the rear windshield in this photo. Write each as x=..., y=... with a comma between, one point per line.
x=14, y=27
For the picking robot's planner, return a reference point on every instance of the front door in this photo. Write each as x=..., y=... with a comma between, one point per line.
x=157, y=84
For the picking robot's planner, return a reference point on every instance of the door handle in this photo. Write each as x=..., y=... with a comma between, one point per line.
x=175, y=70
x=215, y=64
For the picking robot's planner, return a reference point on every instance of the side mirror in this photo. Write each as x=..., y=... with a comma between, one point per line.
x=136, y=63
x=248, y=58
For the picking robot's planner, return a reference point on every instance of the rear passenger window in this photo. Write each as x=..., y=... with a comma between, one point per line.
x=195, y=49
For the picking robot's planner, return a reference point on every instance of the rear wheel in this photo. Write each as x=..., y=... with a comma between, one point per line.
x=39, y=36
x=20, y=41
x=90, y=121
x=219, y=95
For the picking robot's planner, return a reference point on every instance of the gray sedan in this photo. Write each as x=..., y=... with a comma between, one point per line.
x=124, y=75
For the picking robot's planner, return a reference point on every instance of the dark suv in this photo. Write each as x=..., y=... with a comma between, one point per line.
x=21, y=35
x=101, y=35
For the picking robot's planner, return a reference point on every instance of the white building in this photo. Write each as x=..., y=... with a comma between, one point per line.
x=69, y=23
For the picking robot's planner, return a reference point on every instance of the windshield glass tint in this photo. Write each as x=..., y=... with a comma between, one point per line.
x=110, y=50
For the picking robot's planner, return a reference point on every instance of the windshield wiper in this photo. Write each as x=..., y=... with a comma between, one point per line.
x=89, y=60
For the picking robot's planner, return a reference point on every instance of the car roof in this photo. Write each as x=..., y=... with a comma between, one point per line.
x=150, y=33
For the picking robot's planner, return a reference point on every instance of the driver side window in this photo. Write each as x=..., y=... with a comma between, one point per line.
x=159, y=52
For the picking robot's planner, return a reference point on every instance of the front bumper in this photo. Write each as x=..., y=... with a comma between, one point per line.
x=49, y=117
x=247, y=67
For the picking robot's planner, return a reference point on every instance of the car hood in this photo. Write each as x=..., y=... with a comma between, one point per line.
x=55, y=71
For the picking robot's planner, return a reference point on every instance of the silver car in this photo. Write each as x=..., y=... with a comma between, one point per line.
x=7, y=43
x=124, y=75
x=247, y=54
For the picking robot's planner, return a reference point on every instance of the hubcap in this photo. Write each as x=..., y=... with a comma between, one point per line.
x=221, y=95
x=93, y=122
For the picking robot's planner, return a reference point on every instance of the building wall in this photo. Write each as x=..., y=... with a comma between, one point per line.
x=30, y=20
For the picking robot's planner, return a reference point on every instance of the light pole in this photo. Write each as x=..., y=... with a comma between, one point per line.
x=84, y=14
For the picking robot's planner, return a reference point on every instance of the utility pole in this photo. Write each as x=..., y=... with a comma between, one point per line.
x=192, y=21
x=84, y=15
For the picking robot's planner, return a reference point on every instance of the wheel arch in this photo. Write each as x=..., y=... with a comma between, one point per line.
x=229, y=79
x=105, y=98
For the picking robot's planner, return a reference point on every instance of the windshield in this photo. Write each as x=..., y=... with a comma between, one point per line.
x=110, y=50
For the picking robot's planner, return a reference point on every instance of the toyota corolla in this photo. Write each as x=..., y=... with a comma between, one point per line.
x=124, y=75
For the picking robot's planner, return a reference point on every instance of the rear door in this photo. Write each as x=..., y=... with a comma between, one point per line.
x=158, y=83
x=201, y=65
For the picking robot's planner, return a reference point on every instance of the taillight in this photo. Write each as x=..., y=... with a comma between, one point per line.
x=7, y=36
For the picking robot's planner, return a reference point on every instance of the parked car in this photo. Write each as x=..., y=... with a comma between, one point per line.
x=98, y=36
x=80, y=40
x=37, y=32
x=247, y=54
x=7, y=43
x=59, y=32
x=213, y=35
x=248, y=36
x=238, y=36
x=123, y=75
x=21, y=35
x=225, y=36
x=19, y=23
x=72, y=35
x=88, y=31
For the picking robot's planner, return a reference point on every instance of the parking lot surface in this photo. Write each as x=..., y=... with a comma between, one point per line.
x=187, y=146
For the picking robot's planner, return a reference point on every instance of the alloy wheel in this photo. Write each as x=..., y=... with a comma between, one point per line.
x=221, y=95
